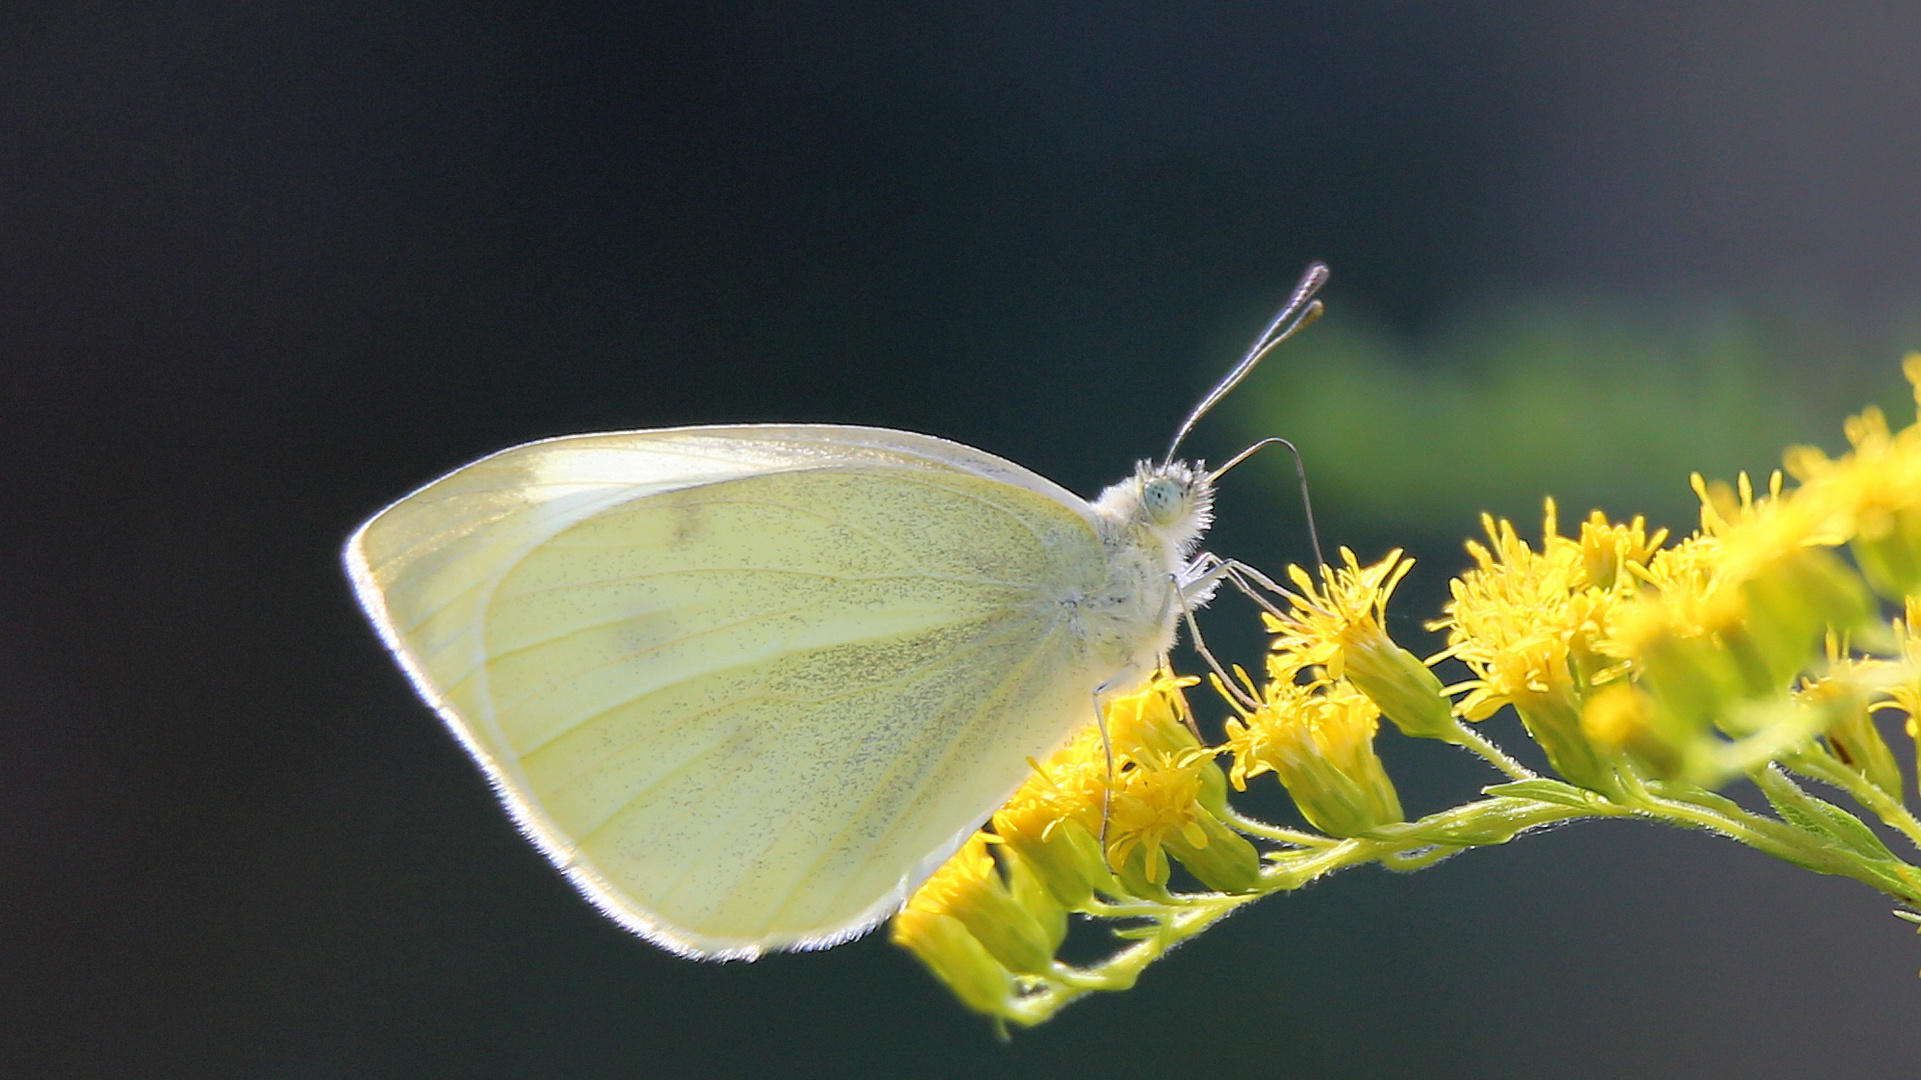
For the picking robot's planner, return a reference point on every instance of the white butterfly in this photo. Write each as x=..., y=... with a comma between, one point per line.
x=748, y=686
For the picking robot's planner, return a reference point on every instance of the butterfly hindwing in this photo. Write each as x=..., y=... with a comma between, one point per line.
x=752, y=708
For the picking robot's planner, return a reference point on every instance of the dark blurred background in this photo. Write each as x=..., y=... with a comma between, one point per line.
x=265, y=267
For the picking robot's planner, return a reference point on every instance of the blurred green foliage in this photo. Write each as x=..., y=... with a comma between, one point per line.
x=1599, y=406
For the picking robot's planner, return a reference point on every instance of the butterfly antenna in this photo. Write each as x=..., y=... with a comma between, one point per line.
x=1300, y=310
x=1300, y=469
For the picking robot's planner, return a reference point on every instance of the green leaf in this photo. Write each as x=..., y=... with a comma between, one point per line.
x=1678, y=791
x=1853, y=832
x=1789, y=801
x=1547, y=791
x=1820, y=817
x=1893, y=882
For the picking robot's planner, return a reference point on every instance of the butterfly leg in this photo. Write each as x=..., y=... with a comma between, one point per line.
x=1208, y=570
x=1107, y=748
x=1200, y=584
x=1241, y=574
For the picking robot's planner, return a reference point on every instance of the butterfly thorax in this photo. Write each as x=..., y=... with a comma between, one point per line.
x=1149, y=524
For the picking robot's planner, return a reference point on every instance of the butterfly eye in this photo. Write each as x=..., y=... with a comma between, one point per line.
x=1162, y=498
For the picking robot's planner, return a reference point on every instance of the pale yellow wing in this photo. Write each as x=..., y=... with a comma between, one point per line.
x=746, y=686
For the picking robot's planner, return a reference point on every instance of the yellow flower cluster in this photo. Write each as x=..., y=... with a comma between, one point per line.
x=989, y=921
x=1531, y=627
x=1649, y=673
x=1332, y=673
x=1706, y=658
x=1873, y=495
x=1337, y=629
x=1319, y=740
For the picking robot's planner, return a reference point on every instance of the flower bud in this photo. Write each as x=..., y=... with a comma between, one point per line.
x=1143, y=872
x=1063, y=857
x=968, y=887
x=1404, y=689
x=1223, y=860
x=1555, y=723
x=1319, y=741
x=1791, y=604
x=1031, y=893
x=1852, y=736
x=1620, y=717
x=956, y=958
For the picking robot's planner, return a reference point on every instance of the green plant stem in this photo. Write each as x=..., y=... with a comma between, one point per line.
x=1240, y=822
x=1494, y=820
x=1762, y=834
x=1783, y=841
x=1405, y=846
x=1469, y=739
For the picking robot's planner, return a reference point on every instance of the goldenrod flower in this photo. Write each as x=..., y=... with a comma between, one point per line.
x=1525, y=622
x=1873, y=494
x=1733, y=614
x=1142, y=729
x=1166, y=791
x=1153, y=802
x=1052, y=822
x=969, y=887
x=1327, y=620
x=1319, y=740
x=1339, y=628
x=1904, y=685
x=1611, y=553
x=1529, y=626
x=955, y=958
x=1698, y=587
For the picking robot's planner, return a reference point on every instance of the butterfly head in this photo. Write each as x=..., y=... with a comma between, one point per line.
x=1173, y=501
